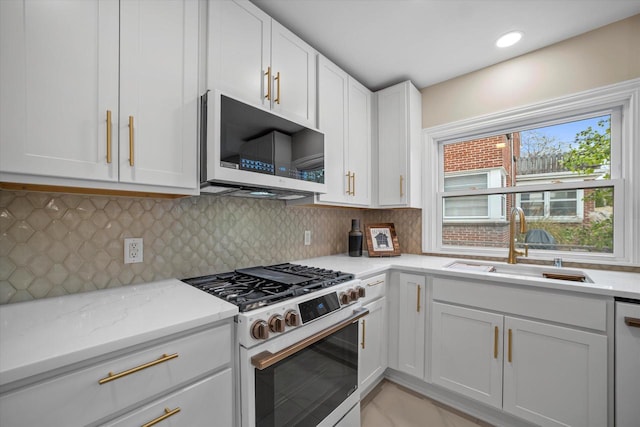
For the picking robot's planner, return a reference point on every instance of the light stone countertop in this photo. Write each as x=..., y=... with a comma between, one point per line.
x=43, y=335
x=605, y=282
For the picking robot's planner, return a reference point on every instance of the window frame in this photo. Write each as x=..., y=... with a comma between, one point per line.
x=624, y=96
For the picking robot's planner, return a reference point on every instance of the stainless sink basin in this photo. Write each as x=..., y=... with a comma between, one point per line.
x=537, y=271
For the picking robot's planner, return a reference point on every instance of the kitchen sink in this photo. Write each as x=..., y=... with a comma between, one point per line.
x=537, y=271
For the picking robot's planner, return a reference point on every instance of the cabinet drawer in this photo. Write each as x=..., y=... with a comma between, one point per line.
x=77, y=398
x=207, y=402
x=571, y=309
x=375, y=287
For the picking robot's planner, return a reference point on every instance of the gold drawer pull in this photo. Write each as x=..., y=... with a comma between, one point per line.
x=631, y=321
x=509, y=358
x=348, y=175
x=495, y=343
x=167, y=413
x=112, y=376
x=418, y=300
x=364, y=333
x=375, y=283
x=401, y=186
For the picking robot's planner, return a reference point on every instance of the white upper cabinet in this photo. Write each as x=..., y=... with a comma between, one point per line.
x=58, y=80
x=159, y=92
x=67, y=67
x=344, y=115
x=256, y=59
x=358, y=150
x=399, y=123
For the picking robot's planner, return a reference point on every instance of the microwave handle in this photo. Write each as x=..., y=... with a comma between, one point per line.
x=265, y=359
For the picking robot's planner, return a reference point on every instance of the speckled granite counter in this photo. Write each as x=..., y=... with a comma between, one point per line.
x=43, y=335
x=605, y=282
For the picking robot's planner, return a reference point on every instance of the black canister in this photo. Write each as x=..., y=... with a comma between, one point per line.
x=355, y=238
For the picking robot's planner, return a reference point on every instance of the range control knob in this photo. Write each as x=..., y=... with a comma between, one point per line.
x=361, y=291
x=260, y=330
x=276, y=323
x=345, y=298
x=291, y=318
x=353, y=294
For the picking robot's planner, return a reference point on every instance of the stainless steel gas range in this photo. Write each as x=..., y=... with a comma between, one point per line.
x=297, y=332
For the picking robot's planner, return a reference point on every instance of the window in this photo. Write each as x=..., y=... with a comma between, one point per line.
x=565, y=162
x=474, y=207
x=566, y=205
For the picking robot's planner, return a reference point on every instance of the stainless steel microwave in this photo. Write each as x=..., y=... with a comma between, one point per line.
x=248, y=146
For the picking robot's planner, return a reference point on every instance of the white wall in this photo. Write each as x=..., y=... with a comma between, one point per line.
x=607, y=55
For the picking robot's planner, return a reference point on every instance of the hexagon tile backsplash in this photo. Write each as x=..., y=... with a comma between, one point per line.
x=54, y=244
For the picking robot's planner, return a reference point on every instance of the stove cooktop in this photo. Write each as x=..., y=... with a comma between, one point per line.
x=256, y=287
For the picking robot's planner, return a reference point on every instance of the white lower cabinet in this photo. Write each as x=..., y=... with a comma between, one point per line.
x=167, y=374
x=411, y=323
x=373, y=345
x=547, y=374
x=466, y=352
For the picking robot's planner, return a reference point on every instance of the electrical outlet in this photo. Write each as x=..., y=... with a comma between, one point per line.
x=307, y=237
x=133, y=250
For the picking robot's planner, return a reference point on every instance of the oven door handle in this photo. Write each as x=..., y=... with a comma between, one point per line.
x=265, y=359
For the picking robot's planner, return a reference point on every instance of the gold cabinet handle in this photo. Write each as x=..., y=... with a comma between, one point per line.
x=131, y=140
x=167, y=413
x=364, y=333
x=495, y=342
x=348, y=175
x=277, y=77
x=418, y=300
x=509, y=353
x=375, y=283
x=353, y=176
x=108, y=136
x=401, y=186
x=112, y=376
x=268, y=74
x=632, y=321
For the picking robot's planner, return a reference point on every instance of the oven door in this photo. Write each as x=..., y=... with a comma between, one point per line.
x=312, y=382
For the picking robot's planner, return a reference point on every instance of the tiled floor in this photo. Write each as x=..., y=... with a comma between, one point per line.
x=391, y=405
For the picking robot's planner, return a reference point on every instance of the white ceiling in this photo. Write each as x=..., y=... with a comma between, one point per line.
x=382, y=42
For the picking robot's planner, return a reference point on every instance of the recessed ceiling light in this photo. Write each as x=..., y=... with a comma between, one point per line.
x=509, y=39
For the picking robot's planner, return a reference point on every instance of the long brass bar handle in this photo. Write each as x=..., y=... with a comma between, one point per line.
x=418, y=300
x=108, y=136
x=375, y=283
x=265, y=359
x=277, y=100
x=353, y=176
x=401, y=186
x=112, y=376
x=509, y=353
x=364, y=332
x=495, y=343
x=348, y=175
x=632, y=321
x=268, y=74
x=167, y=413
x=131, y=140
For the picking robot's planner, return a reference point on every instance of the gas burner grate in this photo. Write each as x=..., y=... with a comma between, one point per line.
x=256, y=287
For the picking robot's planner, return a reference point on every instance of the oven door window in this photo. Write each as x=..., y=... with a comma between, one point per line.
x=304, y=388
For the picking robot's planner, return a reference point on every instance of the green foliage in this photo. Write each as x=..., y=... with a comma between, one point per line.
x=593, y=150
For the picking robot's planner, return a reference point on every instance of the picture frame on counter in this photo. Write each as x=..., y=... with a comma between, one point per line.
x=382, y=240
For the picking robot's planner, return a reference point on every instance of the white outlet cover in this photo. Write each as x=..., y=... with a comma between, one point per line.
x=133, y=250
